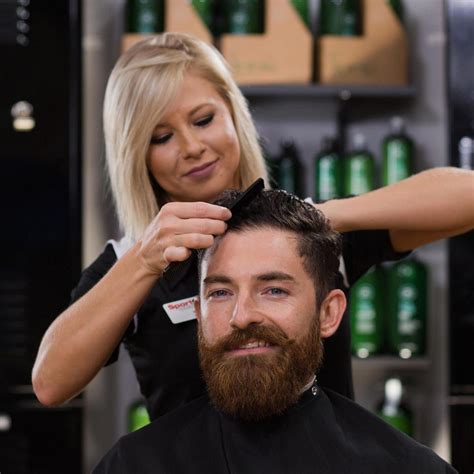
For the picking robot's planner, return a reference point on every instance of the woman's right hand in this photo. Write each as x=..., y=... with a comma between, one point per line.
x=178, y=228
x=81, y=339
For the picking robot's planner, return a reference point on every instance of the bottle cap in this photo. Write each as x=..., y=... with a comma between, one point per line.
x=393, y=396
x=358, y=141
x=329, y=143
x=397, y=124
x=466, y=153
x=466, y=144
x=288, y=143
x=288, y=148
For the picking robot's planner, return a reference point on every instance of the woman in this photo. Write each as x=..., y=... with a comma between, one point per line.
x=178, y=132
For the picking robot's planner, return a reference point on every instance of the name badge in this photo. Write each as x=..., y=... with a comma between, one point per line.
x=181, y=310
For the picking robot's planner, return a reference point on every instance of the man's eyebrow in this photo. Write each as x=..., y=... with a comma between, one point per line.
x=268, y=276
x=216, y=279
x=275, y=276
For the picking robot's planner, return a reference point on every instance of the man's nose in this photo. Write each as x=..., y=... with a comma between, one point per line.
x=246, y=312
x=191, y=145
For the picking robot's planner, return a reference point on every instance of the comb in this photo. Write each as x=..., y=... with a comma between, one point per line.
x=175, y=269
x=247, y=196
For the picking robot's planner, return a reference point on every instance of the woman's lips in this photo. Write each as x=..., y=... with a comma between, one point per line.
x=202, y=171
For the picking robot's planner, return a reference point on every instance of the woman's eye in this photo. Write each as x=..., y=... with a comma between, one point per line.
x=161, y=139
x=205, y=121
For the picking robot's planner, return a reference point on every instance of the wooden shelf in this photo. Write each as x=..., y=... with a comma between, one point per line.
x=322, y=91
x=391, y=363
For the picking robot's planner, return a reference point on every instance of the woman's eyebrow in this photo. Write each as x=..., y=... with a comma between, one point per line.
x=191, y=112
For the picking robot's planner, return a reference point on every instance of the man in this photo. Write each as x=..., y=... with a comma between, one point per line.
x=268, y=297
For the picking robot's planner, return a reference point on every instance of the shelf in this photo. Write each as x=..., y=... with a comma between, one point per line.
x=339, y=91
x=391, y=363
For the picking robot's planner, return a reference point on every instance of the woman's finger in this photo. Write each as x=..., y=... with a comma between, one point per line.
x=192, y=241
x=200, y=210
x=176, y=254
x=199, y=226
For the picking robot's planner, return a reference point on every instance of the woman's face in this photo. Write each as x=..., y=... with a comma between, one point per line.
x=194, y=152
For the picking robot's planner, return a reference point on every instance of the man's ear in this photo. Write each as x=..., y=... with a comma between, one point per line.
x=331, y=312
x=197, y=308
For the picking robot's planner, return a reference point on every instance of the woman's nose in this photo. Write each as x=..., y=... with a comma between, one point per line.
x=191, y=145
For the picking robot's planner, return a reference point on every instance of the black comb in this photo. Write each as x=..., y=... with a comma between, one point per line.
x=247, y=196
x=176, y=269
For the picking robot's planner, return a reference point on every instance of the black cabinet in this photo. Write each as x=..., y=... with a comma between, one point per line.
x=40, y=440
x=40, y=174
x=40, y=238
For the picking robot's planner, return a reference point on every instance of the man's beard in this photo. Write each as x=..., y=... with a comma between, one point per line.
x=257, y=386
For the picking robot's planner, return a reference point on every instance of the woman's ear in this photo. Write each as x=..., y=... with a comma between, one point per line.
x=331, y=312
x=197, y=308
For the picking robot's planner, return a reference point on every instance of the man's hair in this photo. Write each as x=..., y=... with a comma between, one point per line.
x=145, y=80
x=318, y=245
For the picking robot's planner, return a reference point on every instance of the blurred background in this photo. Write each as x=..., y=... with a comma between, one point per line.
x=347, y=95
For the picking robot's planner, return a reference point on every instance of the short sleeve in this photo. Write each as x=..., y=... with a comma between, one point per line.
x=364, y=248
x=94, y=273
x=90, y=277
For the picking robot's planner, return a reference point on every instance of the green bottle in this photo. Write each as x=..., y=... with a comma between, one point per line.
x=329, y=172
x=271, y=165
x=397, y=7
x=407, y=285
x=302, y=7
x=289, y=169
x=392, y=410
x=397, y=153
x=205, y=9
x=145, y=16
x=340, y=17
x=365, y=310
x=243, y=17
x=137, y=416
x=359, y=168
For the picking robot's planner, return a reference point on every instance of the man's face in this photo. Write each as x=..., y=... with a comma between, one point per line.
x=259, y=336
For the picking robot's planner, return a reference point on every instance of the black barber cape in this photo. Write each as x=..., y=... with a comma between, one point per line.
x=324, y=433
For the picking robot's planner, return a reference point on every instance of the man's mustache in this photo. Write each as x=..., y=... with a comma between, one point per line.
x=271, y=335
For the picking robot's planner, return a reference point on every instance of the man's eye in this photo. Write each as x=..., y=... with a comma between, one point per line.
x=205, y=121
x=217, y=294
x=276, y=292
x=160, y=140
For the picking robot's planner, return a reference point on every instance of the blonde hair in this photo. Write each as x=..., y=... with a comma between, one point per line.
x=142, y=84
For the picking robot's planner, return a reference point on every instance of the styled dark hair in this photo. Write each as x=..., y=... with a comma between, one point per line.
x=318, y=245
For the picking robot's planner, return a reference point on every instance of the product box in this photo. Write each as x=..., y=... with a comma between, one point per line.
x=379, y=57
x=180, y=17
x=282, y=54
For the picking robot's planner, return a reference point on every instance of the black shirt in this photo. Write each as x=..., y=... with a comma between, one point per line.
x=165, y=354
x=323, y=433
